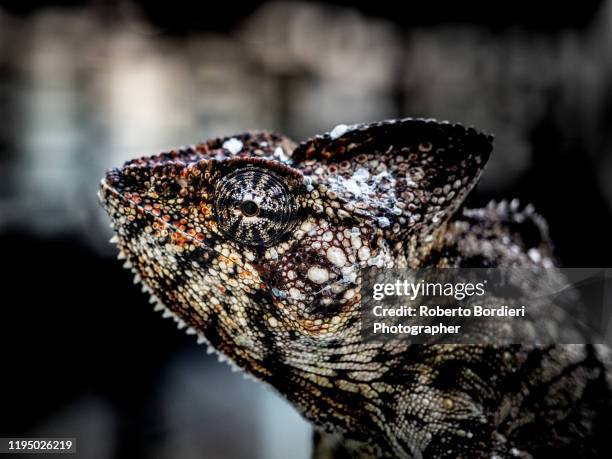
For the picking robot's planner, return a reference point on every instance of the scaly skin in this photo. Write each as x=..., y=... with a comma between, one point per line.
x=256, y=246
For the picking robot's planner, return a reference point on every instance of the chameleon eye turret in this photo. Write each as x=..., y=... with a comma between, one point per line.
x=254, y=207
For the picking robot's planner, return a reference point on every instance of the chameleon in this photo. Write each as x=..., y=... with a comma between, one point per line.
x=255, y=244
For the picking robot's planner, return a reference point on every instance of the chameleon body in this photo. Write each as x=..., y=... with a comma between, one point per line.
x=255, y=245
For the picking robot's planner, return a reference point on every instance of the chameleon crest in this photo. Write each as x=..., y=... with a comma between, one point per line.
x=255, y=245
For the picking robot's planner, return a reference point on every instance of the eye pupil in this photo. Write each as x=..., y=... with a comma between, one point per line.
x=249, y=208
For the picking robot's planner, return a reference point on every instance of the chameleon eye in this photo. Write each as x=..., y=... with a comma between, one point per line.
x=254, y=206
x=249, y=208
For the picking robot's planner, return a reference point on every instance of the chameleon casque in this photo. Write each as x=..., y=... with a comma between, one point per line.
x=255, y=245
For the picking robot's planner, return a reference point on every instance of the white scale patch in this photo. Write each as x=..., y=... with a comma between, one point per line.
x=357, y=184
x=295, y=294
x=338, y=131
x=383, y=222
x=318, y=275
x=233, y=145
x=279, y=154
x=336, y=256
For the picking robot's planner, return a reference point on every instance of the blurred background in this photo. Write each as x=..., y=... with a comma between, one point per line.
x=85, y=85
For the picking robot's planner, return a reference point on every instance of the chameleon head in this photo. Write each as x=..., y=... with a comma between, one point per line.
x=257, y=245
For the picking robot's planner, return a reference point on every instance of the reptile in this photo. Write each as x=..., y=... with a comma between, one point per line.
x=255, y=245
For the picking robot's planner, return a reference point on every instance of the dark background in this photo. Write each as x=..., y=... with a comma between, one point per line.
x=87, y=85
